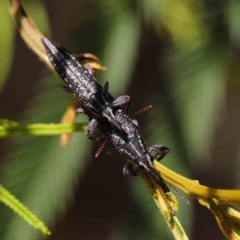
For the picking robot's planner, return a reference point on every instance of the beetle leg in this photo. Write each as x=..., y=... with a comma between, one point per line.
x=66, y=89
x=128, y=169
x=105, y=87
x=120, y=101
x=158, y=151
x=90, y=129
x=135, y=122
x=79, y=110
x=90, y=70
x=111, y=151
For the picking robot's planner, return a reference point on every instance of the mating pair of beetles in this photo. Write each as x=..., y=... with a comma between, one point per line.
x=105, y=113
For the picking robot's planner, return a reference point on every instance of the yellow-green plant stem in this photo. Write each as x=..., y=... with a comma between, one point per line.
x=40, y=129
x=216, y=200
x=197, y=190
x=160, y=199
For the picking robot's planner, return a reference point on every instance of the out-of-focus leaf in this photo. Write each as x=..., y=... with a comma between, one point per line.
x=198, y=95
x=233, y=20
x=182, y=20
x=6, y=42
x=121, y=45
x=8, y=123
x=39, y=172
x=38, y=12
x=197, y=74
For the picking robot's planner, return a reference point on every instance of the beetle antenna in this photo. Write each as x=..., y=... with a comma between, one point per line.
x=101, y=148
x=142, y=110
x=180, y=194
x=168, y=204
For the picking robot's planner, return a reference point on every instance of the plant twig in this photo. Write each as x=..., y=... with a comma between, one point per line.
x=160, y=200
x=32, y=37
x=216, y=200
x=39, y=129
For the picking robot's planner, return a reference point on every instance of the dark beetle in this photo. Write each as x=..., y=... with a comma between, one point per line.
x=82, y=84
x=105, y=113
x=133, y=147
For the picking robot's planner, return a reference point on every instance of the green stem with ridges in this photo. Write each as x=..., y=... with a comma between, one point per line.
x=9, y=200
x=40, y=129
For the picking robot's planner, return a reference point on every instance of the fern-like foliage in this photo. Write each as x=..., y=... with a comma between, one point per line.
x=9, y=200
x=39, y=172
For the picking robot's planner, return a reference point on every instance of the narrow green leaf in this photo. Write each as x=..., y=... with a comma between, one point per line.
x=8, y=199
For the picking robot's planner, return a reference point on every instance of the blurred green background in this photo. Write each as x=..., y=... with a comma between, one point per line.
x=181, y=56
